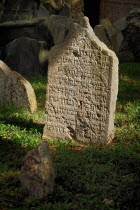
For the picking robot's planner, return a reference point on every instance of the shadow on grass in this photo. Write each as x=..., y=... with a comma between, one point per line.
x=13, y=115
x=129, y=84
x=128, y=92
x=23, y=124
x=11, y=154
x=131, y=70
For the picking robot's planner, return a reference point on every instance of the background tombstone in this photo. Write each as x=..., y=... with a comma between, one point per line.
x=20, y=9
x=82, y=88
x=28, y=57
x=15, y=89
x=107, y=34
x=131, y=33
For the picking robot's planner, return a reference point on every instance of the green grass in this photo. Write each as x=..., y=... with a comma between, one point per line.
x=87, y=177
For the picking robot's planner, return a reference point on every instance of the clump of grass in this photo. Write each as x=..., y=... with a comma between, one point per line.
x=87, y=177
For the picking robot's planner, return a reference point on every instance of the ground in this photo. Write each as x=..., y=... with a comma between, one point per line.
x=90, y=177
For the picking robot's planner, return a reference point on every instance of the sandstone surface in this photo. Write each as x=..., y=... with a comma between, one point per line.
x=82, y=88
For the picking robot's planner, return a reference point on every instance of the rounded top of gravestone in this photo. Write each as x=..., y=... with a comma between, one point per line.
x=15, y=89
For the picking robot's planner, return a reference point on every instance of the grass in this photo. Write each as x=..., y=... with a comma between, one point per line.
x=87, y=177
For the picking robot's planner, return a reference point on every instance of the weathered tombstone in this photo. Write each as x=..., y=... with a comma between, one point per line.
x=59, y=27
x=119, y=26
x=128, y=36
x=37, y=172
x=131, y=33
x=107, y=34
x=82, y=88
x=16, y=90
x=28, y=57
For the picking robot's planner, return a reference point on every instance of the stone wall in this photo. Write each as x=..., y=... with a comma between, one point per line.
x=117, y=9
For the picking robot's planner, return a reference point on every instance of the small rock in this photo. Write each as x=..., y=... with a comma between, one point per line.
x=37, y=172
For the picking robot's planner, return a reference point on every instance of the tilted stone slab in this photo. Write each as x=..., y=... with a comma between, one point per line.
x=82, y=88
x=15, y=89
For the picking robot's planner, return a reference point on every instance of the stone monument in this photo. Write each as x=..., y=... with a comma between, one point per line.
x=15, y=89
x=82, y=88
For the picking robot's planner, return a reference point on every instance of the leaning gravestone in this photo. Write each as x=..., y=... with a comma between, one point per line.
x=82, y=88
x=15, y=89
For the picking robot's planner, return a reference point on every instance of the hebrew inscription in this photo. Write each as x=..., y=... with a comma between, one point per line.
x=82, y=77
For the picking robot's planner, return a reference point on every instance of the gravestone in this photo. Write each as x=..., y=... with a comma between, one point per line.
x=131, y=33
x=15, y=89
x=82, y=88
x=37, y=172
x=59, y=27
x=28, y=57
x=107, y=34
x=20, y=10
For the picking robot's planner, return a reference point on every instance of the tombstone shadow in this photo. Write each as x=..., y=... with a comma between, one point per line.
x=19, y=121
